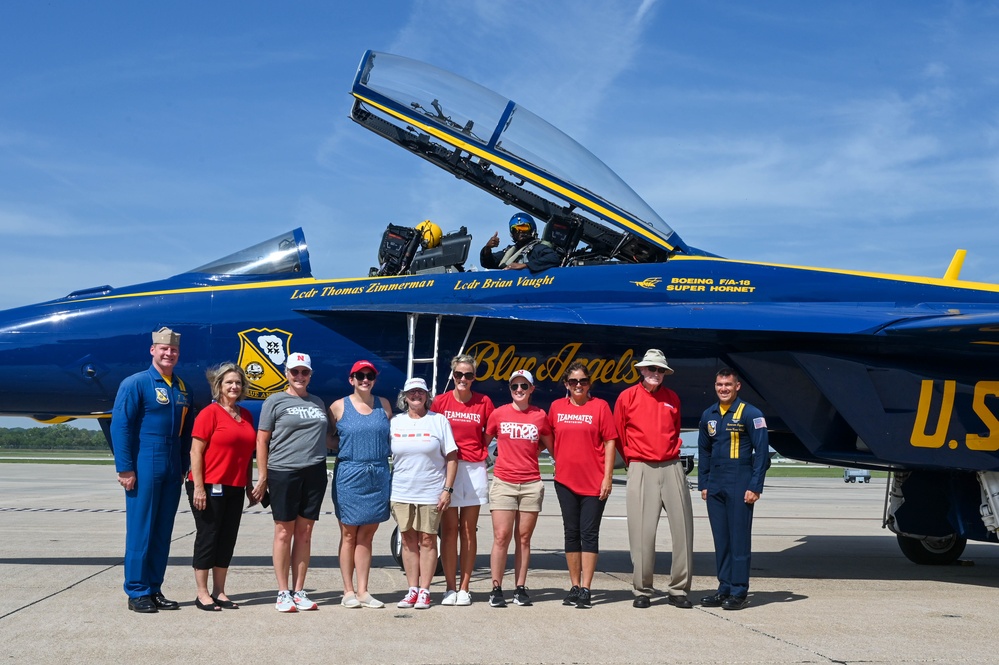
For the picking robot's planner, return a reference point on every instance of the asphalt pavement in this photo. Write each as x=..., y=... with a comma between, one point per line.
x=829, y=585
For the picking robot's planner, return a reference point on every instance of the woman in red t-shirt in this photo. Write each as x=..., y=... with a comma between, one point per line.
x=221, y=470
x=585, y=434
x=515, y=495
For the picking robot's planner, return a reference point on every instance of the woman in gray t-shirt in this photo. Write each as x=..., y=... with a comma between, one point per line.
x=291, y=466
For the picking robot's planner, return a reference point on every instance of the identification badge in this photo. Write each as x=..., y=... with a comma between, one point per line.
x=217, y=489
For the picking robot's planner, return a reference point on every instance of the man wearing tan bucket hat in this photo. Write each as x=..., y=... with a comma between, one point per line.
x=648, y=425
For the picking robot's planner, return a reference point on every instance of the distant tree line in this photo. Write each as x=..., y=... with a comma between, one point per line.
x=54, y=437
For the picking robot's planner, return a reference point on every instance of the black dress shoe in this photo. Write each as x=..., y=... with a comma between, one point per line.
x=163, y=603
x=680, y=601
x=142, y=605
x=734, y=603
x=641, y=601
x=225, y=604
x=208, y=607
x=714, y=601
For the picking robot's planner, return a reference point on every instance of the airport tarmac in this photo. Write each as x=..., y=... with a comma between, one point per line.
x=829, y=585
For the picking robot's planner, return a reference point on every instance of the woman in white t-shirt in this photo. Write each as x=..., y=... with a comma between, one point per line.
x=425, y=461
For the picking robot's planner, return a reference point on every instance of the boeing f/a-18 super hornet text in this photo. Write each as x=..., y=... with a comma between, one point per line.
x=856, y=369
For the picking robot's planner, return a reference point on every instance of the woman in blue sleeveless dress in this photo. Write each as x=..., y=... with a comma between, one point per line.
x=362, y=481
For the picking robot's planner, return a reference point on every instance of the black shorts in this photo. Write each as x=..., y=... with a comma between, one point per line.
x=297, y=493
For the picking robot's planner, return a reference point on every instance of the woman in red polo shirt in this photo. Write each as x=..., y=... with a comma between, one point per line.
x=585, y=434
x=515, y=495
x=221, y=470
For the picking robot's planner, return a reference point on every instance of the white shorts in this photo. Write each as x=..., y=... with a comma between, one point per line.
x=471, y=486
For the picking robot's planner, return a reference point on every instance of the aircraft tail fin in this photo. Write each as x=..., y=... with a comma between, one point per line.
x=954, y=269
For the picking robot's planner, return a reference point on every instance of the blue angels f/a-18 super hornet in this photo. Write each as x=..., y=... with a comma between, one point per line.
x=856, y=369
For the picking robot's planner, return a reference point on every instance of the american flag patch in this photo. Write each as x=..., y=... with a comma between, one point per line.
x=759, y=423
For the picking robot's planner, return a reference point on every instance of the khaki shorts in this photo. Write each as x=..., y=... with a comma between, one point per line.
x=422, y=517
x=525, y=497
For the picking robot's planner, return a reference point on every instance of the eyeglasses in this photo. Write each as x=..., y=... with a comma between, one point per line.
x=578, y=382
x=519, y=386
x=656, y=369
x=300, y=372
x=361, y=376
x=468, y=376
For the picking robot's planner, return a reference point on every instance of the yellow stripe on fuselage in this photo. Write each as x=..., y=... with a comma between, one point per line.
x=929, y=281
x=312, y=281
x=494, y=158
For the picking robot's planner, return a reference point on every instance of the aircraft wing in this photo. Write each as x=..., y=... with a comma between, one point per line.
x=977, y=328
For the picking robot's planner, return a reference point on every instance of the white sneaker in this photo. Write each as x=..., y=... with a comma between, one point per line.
x=410, y=600
x=450, y=597
x=464, y=598
x=370, y=601
x=422, y=600
x=302, y=601
x=285, y=603
x=350, y=601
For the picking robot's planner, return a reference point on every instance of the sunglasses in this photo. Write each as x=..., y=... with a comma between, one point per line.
x=578, y=382
x=521, y=228
x=519, y=386
x=361, y=376
x=656, y=369
x=300, y=372
x=468, y=376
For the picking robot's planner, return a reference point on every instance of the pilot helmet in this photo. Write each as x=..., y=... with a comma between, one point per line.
x=430, y=234
x=522, y=223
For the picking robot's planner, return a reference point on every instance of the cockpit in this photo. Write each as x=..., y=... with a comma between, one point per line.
x=589, y=214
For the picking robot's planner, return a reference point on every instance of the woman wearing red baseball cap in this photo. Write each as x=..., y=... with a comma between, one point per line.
x=361, y=478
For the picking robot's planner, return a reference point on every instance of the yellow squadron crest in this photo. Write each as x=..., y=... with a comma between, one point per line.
x=262, y=352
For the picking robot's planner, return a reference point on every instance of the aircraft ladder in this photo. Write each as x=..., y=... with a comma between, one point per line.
x=412, y=361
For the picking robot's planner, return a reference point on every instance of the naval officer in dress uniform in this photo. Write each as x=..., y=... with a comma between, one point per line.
x=151, y=436
x=732, y=459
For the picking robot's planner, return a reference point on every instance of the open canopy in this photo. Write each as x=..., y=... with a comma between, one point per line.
x=501, y=147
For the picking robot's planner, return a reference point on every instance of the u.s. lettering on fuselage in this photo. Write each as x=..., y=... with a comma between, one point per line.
x=983, y=402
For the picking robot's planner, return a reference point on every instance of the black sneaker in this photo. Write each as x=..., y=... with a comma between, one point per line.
x=496, y=597
x=572, y=597
x=584, y=599
x=520, y=596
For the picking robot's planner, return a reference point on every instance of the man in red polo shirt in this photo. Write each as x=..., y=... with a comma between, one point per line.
x=648, y=425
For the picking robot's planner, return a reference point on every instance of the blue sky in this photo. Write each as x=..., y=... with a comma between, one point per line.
x=139, y=140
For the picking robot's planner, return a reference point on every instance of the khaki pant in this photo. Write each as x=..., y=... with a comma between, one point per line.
x=652, y=487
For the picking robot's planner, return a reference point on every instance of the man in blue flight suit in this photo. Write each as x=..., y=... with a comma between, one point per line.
x=151, y=435
x=527, y=250
x=732, y=460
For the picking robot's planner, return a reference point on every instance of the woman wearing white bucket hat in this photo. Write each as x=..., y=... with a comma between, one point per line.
x=425, y=460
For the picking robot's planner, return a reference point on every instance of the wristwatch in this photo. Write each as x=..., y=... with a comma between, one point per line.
x=449, y=490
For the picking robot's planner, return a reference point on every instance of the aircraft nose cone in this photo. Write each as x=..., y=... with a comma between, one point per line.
x=50, y=369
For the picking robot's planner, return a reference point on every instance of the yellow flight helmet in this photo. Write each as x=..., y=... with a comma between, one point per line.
x=431, y=234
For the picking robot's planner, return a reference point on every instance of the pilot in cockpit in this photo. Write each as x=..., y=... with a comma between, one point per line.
x=527, y=250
